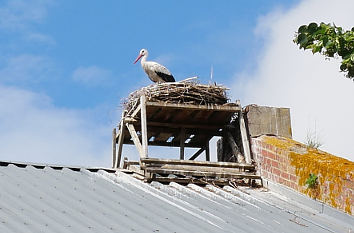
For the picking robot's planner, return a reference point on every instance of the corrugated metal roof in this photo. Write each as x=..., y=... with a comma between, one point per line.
x=59, y=199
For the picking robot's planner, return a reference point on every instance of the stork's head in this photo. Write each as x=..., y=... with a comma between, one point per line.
x=142, y=53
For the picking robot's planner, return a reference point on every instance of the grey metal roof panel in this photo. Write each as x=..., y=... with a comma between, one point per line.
x=58, y=199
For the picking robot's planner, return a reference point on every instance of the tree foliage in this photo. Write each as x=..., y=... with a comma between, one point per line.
x=329, y=40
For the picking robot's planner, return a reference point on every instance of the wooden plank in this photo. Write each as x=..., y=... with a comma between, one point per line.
x=136, y=111
x=196, y=154
x=207, y=151
x=120, y=142
x=198, y=181
x=179, y=125
x=182, y=138
x=202, y=168
x=226, y=108
x=136, y=140
x=245, y=142
x=235, y=150
x=148, y=161
x=143, y=126
x=114, y=147
x=199, y=173
x=169, y=144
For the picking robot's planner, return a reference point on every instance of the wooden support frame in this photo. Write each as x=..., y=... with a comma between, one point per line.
x=136, y=140
x=244, y=137
x=234, y=148
x=120, y=136
x=114, y=147
x=207, y=151
x=182, y=138
x=120, y=144
x=143, y=119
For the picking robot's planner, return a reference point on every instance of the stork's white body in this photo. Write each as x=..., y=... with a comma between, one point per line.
x=155, y=71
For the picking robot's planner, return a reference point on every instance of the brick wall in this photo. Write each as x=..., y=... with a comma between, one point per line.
x=290, y=163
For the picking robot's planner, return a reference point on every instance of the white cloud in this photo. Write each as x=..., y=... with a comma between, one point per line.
x=92, y=76
x=20, y=16
x=33, y=129
x=317, y=93
x=26, y=68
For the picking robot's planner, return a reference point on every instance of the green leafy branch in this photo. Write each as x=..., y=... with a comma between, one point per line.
x=329, y=40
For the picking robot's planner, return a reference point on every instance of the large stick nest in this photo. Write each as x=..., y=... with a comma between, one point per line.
x=187, y=91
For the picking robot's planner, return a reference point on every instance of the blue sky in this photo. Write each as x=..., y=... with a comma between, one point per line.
x=65, y=66
x=188, y=37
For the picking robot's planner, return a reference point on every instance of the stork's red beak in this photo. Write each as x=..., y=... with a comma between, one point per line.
x=137, y=59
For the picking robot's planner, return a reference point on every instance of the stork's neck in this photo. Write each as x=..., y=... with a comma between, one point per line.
x=143, y=59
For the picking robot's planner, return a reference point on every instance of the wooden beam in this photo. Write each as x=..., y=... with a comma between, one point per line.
x=182, y=138
x=226, y=108
x=196, y=154
x=148, y=161
x=207, y=151
x=192, y=126
x=136, y=140
x=143, y=126
x=120, y=143
x=203, y=169
x=200, y=173
x=160, y=129
x=136, y=111
x=170, y=144
x=114, y=147
x=245, y=142
x=235, y=150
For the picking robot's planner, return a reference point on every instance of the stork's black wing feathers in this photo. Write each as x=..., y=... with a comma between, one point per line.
x=166, y=77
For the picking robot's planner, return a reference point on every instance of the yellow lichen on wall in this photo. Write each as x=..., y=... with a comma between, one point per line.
x=331, y=171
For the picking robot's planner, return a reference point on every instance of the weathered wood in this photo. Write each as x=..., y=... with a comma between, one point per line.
x=148, y=161
x=198, y=181
x=196, y=154
x=114, y=147
x=207, y=151
x=182, y=138
x=120, y=142
x=169, y=144
x=127, y=163
x=200, y=174
x=227, y=108
x=120, y=145
x=136, y=111
x=190, y=126
x=201, y=168
x=135, y=139
x=143, y=126
x=245, y=142
x=130, y=120
x=235, y=150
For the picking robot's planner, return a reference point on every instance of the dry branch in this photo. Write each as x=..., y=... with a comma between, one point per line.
x=187, y=91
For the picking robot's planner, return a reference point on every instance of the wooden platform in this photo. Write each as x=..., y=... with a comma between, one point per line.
x=201, y=172
x=182, y=125
x=165, y=121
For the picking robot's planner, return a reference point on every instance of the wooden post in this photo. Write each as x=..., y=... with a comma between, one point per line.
x=114, y=142
x=120, y=143
x=245, y=142
x=143, y=127
x=207, y=151
x=135, y=139
x=181, y=142
x=235, y=150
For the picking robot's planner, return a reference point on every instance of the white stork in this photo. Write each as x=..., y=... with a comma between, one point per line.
x=156, y=72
